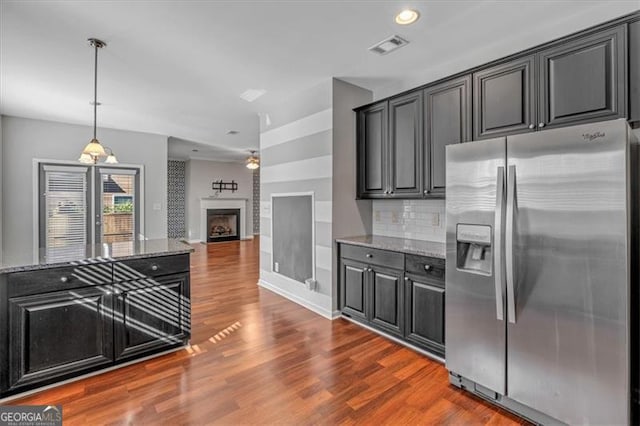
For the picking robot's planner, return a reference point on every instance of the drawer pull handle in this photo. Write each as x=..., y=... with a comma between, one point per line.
x=64, y=279
x=154, y=267
x=427, y=267
x=369, y=255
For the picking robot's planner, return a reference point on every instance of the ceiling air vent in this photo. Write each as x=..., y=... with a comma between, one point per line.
x=388, y=45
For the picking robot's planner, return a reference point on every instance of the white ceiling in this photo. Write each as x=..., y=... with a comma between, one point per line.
x=177, y=68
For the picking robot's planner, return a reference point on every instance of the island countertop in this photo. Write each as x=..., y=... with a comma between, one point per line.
x=403, y=245
x=78, y=254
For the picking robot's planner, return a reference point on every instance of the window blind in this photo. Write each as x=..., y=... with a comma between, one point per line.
x=65, y=206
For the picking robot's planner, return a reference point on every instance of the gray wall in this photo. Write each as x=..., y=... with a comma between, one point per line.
x=25, y=139
x=296, y=156
x=200, y=175
x=349, y=216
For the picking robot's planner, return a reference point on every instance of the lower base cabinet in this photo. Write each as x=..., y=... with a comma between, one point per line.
x=406, y=304
x=57, y=326
x=151, y=316
x=56, y=335
x=424, y=303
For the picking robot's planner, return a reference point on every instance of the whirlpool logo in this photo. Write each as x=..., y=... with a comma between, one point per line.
x=589, y=137
x=32, y=415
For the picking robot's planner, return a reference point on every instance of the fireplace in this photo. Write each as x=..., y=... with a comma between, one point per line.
x=223, y=225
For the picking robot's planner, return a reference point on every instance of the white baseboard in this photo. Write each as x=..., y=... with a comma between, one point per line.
x=194, y=241
x=299, y=300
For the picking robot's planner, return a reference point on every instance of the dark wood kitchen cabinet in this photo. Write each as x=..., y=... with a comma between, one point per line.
x=399, y=295
x=56, y=335
x=61, y=322
x=583, y=80
x=373, y=151
x=405, y=146
x=386, y=299
x=634, y=71
x=424, y=302
x=353, y=294
x=154, y=313
x=579, y=80
x=504, y=100
x=447, y=111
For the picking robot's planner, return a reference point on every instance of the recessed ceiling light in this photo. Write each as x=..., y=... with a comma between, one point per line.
x=232, y=132
x=251, y=95
x=407, y=16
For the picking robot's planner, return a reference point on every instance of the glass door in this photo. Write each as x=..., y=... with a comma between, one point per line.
x=80, y=205
x=117, y=203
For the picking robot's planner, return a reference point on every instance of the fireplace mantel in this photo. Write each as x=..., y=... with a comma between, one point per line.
x=224, y=203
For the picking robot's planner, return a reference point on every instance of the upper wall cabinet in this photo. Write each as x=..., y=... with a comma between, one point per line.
x=634, y=71
x=504, y=99
x=405, y=146
x=579, y=80
x=583, y=79
x=447, y=111
x=372, y=151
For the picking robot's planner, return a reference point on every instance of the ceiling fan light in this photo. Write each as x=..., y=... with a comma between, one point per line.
x=252, y=165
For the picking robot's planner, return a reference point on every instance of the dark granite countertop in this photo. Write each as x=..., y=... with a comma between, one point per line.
x=404, y=245
x=77, y=254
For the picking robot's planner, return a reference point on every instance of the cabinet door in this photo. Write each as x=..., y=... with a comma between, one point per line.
x=58, y=335
x=353, y=291
x=504, y=99
x=152, y=315
x=386, y=300
x=425, y=315
x=372, y=151
x=447, y=109
x=634, y=71
x=405, y=146
x=584, y=79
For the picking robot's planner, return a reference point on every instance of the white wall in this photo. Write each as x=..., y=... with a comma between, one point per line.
x=25, y=139
x=200, y=174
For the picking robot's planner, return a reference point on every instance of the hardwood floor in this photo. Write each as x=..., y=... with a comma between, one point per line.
x=259, y=358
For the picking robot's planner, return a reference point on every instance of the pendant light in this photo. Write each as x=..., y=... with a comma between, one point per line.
x=94, y=149
x=253, y=162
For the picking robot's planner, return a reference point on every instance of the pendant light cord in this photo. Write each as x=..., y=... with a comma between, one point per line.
x=95, y=91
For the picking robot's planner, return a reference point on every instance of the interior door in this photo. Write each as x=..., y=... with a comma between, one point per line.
x=568, y=348
x=475, y=329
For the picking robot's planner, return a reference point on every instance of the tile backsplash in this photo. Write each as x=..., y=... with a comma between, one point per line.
x=415, y=219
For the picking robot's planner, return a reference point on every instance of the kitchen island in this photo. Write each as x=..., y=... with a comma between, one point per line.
x=70, y=311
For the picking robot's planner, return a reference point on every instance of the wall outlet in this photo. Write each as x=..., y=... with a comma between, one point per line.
x=376, y=215
x=311, y=284
x=394, y=217
x=276, y=267
x=435, y=219
x=157, y=206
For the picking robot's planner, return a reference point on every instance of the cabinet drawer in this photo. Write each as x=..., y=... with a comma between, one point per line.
x=150, y=267
x=390, y=259
x=425, y=266
x=54, y=279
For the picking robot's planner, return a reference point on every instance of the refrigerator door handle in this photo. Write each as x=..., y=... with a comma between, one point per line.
x=511, y=197
x=498, y=238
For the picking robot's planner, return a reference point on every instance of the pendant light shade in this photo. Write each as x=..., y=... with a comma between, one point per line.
x=253, y=162
x=94, y=148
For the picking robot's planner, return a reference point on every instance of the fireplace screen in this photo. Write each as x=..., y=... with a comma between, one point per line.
x=223, y=225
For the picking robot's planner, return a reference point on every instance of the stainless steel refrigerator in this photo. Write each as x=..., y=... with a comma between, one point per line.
x=540, y=273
